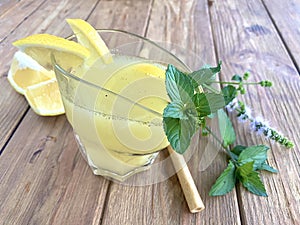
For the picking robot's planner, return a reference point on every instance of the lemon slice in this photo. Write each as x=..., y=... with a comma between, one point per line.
x=45, y=99
x=88, y=37
x=25, y=71
x=68, y=54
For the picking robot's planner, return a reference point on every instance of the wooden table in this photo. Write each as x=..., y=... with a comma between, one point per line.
x=45, y=180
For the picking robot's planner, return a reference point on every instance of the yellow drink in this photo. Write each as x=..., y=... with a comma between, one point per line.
x=116, y=106
x=119, y=128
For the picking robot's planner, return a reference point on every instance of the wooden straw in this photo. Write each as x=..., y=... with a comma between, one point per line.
x=187, y=183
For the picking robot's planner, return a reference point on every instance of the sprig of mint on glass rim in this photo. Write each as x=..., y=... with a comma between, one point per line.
x=193, y=100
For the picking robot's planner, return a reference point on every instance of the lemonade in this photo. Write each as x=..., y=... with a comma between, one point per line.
x=119, y=128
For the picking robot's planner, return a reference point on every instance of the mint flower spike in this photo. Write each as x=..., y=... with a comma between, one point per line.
x=257, y=124
x=262, y=128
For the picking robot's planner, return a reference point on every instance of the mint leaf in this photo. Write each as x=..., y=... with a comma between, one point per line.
x=179, y=132
x=226, y=128
x=208, y=103
x=258, y=154
x=254, y=184
x=205, y=74
x=267, y=167
x=180, y=117
x=250, y=179
x=175, y=110
x=179, y=85
x=226, y=181
x=244, y=170
x=216, y=69
x=237, y=78
x=178, y=109
x=238, y=149
x=229, y=92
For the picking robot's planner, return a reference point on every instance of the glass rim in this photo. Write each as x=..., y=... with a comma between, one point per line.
x=57, y=67
x=62, y=70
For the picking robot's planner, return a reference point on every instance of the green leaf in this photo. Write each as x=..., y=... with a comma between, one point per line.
x=216, y=69
x=226, y=128
x=250, y=179
x=205, y=74
x=258, y=154
x=208, y=103
x=229, y=93
x=267, y=167
x=180, y=116
x=238, y=149
x=237, y=78
x=179, y=85
x=179, y=132
x=226, y=181
x=178, y=109
x=254, y=184
x=175, y=110
x=244, y=170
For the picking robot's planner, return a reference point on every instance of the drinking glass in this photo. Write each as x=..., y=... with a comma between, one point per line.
x=115, y=106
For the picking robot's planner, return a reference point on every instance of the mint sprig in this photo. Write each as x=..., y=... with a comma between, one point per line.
x=180, y=116
x=185, y=113
x=193, y=101
x=244, y=168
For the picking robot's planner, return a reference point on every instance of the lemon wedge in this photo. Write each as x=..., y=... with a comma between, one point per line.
x=45, y=99
x=68, y=54
x=30, y=73
x=25, y=71
x=88, y=37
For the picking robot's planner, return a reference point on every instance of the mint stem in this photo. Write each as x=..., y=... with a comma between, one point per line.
x=236, y=83
x=210, y=88
x=227, y=151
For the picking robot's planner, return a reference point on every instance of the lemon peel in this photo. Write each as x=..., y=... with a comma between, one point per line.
x=90, y=38
x=40, y=47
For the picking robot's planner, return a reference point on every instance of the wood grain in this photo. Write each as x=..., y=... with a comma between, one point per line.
x=192, y=22
x=15, y=13
x=48, y=171
x=5, y=5
x=246, y=39
x=286, y=17
x=43, y=177
x=45, y=180
x=43, y=18
x=166, y=204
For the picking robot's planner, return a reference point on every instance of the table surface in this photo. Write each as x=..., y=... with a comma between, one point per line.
x=45, y=180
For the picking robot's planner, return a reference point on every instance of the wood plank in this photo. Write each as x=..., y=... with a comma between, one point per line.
x=164, y=203
x=47, y=195
x=16, y=14
x=124, y=15
x=49, y=17
x=286, y=17
x=247, y=40
x=43, y=176
x=6, y=4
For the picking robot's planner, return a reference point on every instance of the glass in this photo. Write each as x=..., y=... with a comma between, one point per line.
x=115, y=107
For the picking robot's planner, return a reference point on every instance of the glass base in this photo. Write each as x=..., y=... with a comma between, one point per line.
x=122, y=171
x=118, y=177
